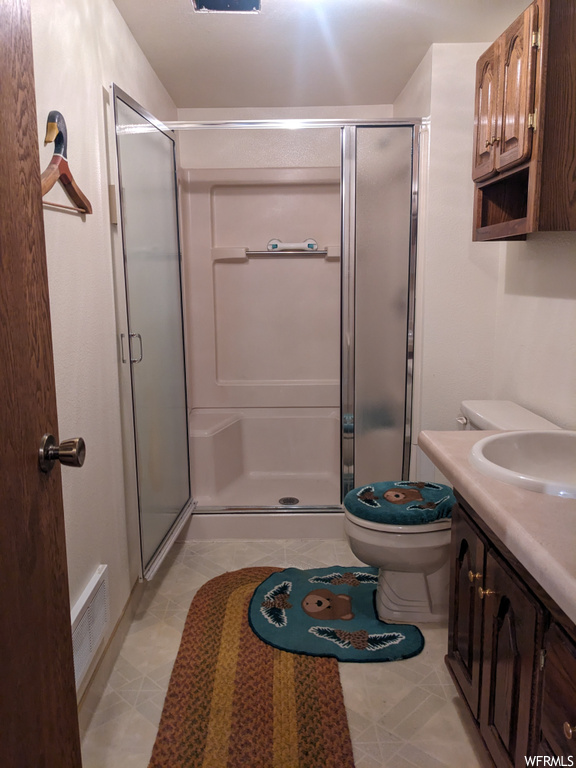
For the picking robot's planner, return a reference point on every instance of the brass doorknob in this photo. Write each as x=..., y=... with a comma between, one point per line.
x=472, y=577
x=569, y=730
x=71, y=452
x=485, y=592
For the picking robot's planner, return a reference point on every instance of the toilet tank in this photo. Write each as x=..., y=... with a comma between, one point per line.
x=500, y=414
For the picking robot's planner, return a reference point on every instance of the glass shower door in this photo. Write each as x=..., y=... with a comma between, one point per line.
x=155, y=347
x=379, y=236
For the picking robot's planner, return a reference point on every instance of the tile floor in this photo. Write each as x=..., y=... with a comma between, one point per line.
x=404, y=714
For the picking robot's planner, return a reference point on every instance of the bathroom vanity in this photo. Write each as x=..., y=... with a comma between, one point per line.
x=512, y=625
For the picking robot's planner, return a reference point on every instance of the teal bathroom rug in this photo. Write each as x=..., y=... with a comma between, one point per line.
x=329, y=612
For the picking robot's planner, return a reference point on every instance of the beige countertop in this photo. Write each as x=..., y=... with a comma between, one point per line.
x=539, y=530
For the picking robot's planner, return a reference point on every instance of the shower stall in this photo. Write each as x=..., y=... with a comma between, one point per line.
x=300, y=359
x=297, y=265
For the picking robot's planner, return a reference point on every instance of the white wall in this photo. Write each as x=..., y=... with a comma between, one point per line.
x=80, y=47
x=535, y=362
x=457, y=279
x=415, y=99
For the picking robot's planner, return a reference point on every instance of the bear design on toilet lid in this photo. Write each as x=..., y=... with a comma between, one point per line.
x=401, y=503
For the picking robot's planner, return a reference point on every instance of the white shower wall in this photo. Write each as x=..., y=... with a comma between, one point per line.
x=263, y=335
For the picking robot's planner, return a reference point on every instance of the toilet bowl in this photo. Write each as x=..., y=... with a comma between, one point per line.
x=413, y=553
x=413, y=567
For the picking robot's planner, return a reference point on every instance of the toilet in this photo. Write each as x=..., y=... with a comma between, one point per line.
x=410, y=543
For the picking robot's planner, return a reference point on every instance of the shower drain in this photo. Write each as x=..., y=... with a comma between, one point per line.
x=289, y=501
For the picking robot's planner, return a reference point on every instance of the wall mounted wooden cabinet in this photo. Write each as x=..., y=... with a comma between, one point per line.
x=525, y=126
x=505, y=81
x=511, y=651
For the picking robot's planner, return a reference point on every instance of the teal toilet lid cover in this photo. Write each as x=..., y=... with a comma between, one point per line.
x=401, y=503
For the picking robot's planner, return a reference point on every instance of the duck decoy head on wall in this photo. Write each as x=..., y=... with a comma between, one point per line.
x=58, y=168
x=57, y=132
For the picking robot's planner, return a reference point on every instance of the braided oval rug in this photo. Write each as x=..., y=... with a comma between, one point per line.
x=236, y=702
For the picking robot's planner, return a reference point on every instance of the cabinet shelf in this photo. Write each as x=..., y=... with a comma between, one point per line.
x=502, y=207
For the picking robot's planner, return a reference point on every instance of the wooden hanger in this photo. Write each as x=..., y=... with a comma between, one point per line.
x=58, y=168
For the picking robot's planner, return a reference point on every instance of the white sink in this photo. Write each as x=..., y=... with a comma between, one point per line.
x=544, y=462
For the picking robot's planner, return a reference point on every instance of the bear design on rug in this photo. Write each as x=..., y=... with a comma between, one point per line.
x=324, y=604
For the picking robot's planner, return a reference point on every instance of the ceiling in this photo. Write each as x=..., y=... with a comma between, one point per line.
x=302, y=53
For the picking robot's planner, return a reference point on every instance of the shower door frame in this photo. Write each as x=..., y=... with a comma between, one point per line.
x=347, y=285
x=147, y=567
x=348, y=293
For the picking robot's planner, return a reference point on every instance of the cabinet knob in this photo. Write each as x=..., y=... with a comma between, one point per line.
x=472, y=577
x=485, y=592
x=569, y=730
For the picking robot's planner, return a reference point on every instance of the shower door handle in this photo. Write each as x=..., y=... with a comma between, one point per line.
x=141, y=355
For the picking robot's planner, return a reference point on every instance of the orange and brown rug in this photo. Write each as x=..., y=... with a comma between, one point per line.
x=236, y=702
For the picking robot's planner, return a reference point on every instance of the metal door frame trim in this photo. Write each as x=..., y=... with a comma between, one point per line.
x=348, y=288
x=148, y=569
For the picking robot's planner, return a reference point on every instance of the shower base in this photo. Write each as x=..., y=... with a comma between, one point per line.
x=256, y=457
x=257, y=490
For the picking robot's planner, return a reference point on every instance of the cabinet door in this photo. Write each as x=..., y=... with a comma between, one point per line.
x=516, y=92
x=485, y=120
x=465, y=623
x=512, y=629
x=558, y=697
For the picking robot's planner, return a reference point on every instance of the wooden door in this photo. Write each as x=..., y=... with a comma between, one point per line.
x=465, y=622
x=512, y=635
x=517, y=87
x=485, y=113
x=37, y=693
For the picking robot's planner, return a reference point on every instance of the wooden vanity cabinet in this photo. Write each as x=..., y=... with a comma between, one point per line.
x=558, y=721
x=525, y=126
x=495, y=630
x=511, y=650
x=513, y=622
x=467, y=556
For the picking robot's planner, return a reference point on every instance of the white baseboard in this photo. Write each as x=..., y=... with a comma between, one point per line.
x=209, y=526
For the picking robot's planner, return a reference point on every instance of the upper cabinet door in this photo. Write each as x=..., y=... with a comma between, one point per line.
x=485, y=122
x=517, y=85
